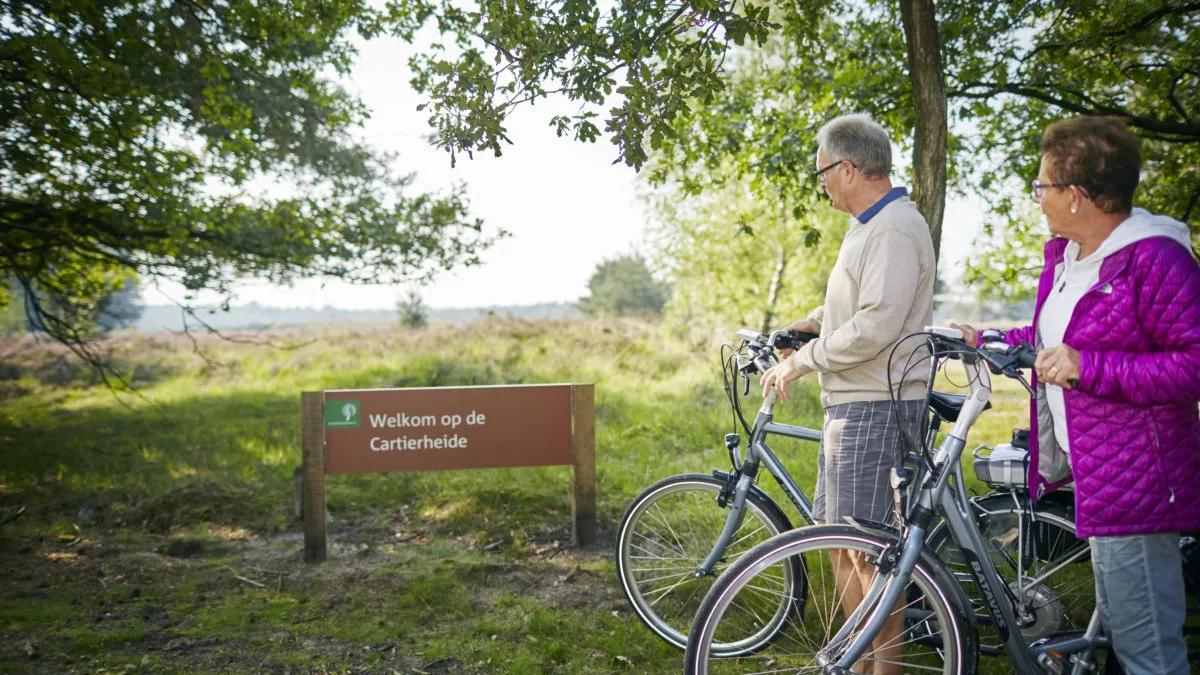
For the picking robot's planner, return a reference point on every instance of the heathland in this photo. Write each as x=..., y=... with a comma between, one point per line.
x=153, y=529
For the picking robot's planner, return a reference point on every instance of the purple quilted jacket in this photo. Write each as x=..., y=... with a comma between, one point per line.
x=1132, y=421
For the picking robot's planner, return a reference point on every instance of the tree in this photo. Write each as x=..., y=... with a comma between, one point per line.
x=925, y=76
x=670, y=54
x=1007, y=67
x=412, y=310
x=659, y=57
x=119, y=309
x=199, y=142
x=624, y=286
x=12, y=316
x=1137, y=59
x=739, y=261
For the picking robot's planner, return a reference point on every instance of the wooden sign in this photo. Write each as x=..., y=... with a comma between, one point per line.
x=427, y=429
x=381, y=430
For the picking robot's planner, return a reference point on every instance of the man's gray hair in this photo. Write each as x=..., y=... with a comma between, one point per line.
x=859, y=139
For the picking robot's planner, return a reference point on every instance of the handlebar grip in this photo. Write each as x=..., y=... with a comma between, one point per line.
x=794, y=339
x=1026, y=355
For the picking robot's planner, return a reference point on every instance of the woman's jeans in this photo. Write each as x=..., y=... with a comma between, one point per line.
x=1139, y=591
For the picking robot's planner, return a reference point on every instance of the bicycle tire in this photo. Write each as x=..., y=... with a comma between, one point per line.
x=1062, y=602
x=668, y=530
x=938, y=632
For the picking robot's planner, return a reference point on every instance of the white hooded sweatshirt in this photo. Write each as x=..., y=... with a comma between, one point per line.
x=1075, y=278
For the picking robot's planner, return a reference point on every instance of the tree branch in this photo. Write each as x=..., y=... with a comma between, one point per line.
x=1182, y=131
x=1141, y=24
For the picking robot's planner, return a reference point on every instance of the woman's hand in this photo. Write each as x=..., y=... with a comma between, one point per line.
x=1058, y=365
x=779, y=377
x=970, y=335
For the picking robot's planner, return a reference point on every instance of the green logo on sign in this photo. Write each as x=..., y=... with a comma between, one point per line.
x=341, y=414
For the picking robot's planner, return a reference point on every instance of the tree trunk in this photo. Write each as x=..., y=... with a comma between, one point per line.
x=929, y=101
x=773, y=294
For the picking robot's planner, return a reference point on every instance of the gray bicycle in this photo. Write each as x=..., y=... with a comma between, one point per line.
x=680, y=533
x=902, y=608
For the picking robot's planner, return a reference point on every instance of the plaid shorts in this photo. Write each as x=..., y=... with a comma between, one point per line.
x=861, y=445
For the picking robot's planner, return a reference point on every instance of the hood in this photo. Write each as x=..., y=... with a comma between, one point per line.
x=1141, y=224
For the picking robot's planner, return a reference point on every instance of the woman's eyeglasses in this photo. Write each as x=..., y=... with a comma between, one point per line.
x=1039, y=189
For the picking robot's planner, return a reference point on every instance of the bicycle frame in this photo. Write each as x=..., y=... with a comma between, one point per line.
x=758, y=452
x=944, y=490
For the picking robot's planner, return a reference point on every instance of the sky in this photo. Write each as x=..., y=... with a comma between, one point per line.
x=567, y=206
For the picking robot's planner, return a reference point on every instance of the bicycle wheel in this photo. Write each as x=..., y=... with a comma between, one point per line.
x=934, y=635
x=1049, y=573
x=668, y=530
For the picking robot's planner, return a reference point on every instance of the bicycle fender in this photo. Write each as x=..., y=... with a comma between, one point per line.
x=766, y=499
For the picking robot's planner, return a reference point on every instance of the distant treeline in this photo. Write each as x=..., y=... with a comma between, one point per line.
x=156, y=318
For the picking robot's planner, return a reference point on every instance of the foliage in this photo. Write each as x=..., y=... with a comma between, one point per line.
x=624, y=286
x=738, y=261
x=412, y=310
x=739, y=222
x=1015, y=67
x=658, y=58
x=198, y=142
x=12, y=312
x=119, y=309
x=1011, y=67
x=1006, y=260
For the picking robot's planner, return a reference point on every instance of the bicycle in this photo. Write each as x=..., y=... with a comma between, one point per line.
x=1031, y=543
x=1033, y=546
x=844, y=625
x=672, y=543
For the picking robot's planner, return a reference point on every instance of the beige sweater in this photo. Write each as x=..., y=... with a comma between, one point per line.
x=880, y=290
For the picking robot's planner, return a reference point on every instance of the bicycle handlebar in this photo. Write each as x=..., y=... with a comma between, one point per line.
x=1001, y=357
x=780, y=339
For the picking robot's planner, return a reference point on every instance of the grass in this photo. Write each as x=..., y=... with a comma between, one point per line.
x=158, y=532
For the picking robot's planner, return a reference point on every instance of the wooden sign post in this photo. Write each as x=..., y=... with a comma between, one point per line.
x=384, y=430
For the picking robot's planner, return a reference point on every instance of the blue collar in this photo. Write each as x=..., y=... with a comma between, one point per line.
x=892, y=195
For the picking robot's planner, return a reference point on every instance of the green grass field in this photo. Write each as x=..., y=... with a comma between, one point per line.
x=154, y=531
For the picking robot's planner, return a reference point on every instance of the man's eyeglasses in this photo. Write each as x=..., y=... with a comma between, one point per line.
x=1039, y=189
x=820, y=173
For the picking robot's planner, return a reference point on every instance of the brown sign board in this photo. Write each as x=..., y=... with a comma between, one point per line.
x=384, y=430
x=426, y=429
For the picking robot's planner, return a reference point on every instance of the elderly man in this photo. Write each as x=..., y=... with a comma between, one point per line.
x=880, y=290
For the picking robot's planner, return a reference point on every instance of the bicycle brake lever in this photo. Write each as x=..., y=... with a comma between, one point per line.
x=1021, y=378
x=746, y=377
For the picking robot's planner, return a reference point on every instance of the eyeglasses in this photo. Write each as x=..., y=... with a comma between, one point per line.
x=1039, y=189
x=820, y=173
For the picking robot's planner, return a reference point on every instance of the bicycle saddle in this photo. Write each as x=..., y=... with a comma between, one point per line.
x=947, y=406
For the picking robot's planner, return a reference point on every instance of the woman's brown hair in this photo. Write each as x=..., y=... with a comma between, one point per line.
x=1098, y=154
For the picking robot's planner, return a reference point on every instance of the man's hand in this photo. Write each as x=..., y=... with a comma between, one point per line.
x=804, y=327
x=778, y=377
x=1058, y=365
x=970, y=335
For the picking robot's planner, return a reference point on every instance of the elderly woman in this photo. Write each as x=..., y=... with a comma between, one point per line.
x=1117, y=326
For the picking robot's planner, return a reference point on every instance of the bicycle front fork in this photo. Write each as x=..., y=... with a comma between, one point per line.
x=886, y=591
x=737, y=511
